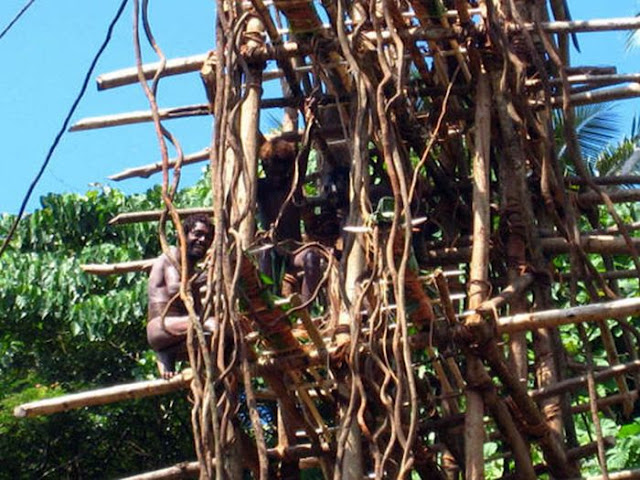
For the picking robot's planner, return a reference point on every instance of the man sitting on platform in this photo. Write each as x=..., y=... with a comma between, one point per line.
x=168, y=318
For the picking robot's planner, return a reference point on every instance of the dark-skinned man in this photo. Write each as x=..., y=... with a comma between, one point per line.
x=168, y=318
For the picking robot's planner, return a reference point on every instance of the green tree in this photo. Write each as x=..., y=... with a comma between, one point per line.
x=65, y=331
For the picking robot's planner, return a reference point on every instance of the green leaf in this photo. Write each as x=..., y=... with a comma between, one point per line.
x=629, y=430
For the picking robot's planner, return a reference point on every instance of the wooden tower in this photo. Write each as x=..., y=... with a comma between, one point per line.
x=434, y=327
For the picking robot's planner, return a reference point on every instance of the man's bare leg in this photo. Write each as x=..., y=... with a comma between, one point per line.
x=168, y=338
x=166, y=361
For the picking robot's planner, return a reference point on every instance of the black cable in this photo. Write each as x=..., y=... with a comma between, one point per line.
x=65, y=124
x=16, y=18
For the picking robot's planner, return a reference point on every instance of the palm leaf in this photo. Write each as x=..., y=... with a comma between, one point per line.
x=633, y=38
x=619, y=158
x=596, y=127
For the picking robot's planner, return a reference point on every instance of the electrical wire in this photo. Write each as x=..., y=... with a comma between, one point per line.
x=64, y=126
x=16, y=18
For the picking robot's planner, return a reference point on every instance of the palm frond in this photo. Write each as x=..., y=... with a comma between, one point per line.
x=633, y=38
x=596, y=127
x=621, y=158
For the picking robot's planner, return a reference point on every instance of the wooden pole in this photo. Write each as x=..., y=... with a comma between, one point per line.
x=154, y=215
x=594, y=198
x=305, y=454
x=553, y=318
x=607, y=79
x=103, y=396
x=128, y=76
x=514, y=289
x=598, y=25
x=478, y=278
x=604, y=402
x=174, y=66
x=621, y=475
x=117, y=268
x=141, y=116
x=606, y=180
x=581, y=381
x=247, y=185
x=146, y=170
x=600, y=96
x=550, y=246
x=175, y=472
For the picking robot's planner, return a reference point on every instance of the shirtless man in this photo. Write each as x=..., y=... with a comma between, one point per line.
x=168, y=319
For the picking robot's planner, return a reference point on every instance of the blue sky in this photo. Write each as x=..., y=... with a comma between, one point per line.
x=46, y=54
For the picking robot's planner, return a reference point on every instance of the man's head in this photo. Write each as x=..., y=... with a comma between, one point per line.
x=278, y=157
x=198, y=230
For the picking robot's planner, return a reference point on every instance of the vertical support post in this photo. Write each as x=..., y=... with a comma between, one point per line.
x=352, y=461
x=478, y=276
x=245, y=195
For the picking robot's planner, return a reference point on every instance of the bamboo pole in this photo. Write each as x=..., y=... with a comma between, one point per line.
x=154, y=215
x=245, y=192
x=621, y=475
x=309, y=326
x=550, y=246
x=147, y=170
x=103, y=396
x=580, y=381
x=607, y=79
x=304, y=453
x=141, y=116
x=193, y=63
x=619, y=196
x=514, y=289
x=597, y=25
x=174, y=66
x=606, y=180
x=605, y=402
x=600, y=96
x=117, y=268
x=175, y=472
x=630, y=227
x=584, y=313
x=128, y=76
x=478, y=278
x=609, y=275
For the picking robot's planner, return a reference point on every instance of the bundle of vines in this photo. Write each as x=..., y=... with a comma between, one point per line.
x=439, y=181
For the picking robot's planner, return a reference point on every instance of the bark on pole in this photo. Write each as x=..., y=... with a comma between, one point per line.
x=478, y=276
x=584, y=313
x=103, y=396
x=245, y=196
x=352, y=468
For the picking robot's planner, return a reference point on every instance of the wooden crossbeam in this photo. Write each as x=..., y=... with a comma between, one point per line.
x=140, y=116
x=174, y=66
x=103, y=396
x=583, y=313
x=117, y=268
x=154, y=215
x=580, y=381
x=600, y=96
x=147, y=170
x=179, y=471
x=604, y=244
x=596, y=25
x=143, y=116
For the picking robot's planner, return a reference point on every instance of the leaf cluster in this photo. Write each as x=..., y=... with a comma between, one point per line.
x=65, y=331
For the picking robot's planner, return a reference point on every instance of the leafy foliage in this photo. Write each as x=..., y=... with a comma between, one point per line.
x=616, y=158
x=65, y=331
x=597, y=126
